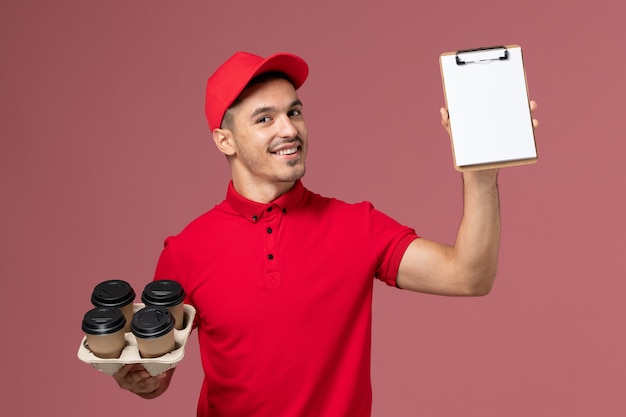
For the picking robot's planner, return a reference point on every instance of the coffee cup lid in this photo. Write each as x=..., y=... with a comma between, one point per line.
x=112, y=293
x=103, y=320
x=152, y=321
x=165, y=292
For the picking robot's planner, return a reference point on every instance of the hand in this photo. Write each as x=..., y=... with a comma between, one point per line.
x=445, y=117
x=136, y=379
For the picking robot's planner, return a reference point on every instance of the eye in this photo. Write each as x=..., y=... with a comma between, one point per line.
x=295, y=113
x=263, y=119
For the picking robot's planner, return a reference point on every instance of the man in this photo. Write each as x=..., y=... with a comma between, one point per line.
x=282, y=278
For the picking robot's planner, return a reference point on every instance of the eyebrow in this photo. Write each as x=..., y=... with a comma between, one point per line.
x=265, y=109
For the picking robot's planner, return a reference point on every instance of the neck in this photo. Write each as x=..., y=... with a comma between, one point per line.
x=262, y=193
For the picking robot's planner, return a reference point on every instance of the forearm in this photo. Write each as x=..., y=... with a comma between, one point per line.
x=478, y=239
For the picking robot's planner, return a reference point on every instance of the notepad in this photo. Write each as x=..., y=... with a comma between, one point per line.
x=487, y=100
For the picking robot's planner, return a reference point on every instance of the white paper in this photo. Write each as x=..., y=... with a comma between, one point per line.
x=489, y=110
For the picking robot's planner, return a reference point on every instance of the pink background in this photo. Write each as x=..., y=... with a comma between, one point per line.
x=105, y=151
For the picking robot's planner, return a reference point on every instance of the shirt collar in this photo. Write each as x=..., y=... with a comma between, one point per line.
x=253, y=211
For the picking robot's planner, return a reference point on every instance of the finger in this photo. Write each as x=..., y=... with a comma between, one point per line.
x=122, y=372
x=150, y=384
x=533, y=107
x=147, y=385
x=138, y=374
x=445, y=119
x=132, y=377
x=444, y=116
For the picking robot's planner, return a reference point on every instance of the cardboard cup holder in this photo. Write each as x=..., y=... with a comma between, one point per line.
x=130, y=353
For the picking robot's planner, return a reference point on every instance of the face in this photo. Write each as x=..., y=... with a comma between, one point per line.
x=268, y=136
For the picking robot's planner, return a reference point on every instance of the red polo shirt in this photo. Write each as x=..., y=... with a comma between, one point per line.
x=283, y=293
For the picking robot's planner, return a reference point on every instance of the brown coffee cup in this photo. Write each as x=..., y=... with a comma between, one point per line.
x=104, y=329
x=166, y=293
x=115, y=293
x=153, y=327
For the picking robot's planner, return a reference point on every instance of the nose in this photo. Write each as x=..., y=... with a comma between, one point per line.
x=286, y=127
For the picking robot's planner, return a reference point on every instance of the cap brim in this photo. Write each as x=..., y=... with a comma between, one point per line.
x=292, y=65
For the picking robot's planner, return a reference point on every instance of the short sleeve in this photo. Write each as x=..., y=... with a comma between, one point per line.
x=390, y=239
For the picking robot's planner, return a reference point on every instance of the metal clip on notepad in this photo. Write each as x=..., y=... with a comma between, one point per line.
x=482, y=55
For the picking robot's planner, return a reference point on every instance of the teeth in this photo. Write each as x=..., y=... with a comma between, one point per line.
x=289, y=151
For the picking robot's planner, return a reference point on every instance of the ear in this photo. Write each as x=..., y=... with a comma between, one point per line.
x=223, y=139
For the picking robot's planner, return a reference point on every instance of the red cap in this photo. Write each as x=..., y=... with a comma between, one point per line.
x=229, y=80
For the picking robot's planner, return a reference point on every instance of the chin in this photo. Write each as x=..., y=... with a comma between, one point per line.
x=294, y=175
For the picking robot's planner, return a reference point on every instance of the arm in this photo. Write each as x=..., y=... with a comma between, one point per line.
x=467, y=268
x=137, y=380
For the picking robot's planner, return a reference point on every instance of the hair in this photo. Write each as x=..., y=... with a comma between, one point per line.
x=227, y=120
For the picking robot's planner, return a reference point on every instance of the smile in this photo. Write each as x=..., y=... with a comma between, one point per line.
x=288, y=151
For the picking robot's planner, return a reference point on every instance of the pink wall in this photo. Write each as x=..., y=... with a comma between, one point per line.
x=104, y=151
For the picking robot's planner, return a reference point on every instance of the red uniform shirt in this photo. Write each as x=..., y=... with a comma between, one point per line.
x=283, y=293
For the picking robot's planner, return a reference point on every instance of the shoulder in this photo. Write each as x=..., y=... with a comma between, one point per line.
x=203, y=223
x=361, y=215
x=315, y=201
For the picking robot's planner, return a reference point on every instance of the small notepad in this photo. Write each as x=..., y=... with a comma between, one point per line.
x=487, y=100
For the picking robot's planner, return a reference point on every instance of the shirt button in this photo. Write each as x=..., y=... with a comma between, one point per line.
x=284, y=211
x=269, y=230
x=270, y=256
x=269, y=209
x=254, y=218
